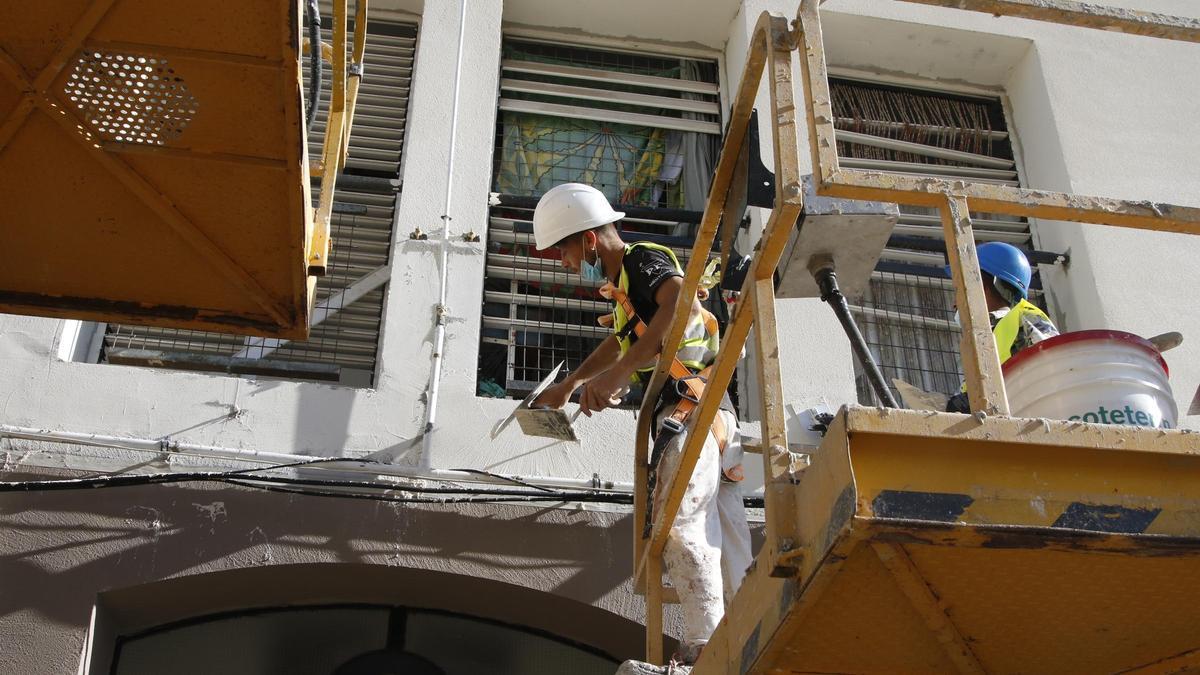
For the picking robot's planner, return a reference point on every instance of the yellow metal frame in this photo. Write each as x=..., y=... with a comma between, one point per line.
x=771, y=49
x=210, y=229
x=347, y=76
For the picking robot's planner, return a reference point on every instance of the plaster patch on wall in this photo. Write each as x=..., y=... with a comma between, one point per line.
x=213, y=511
x=147, y=513
x=258, y=537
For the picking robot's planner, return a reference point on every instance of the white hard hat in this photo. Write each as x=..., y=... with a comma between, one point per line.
x=567, y=209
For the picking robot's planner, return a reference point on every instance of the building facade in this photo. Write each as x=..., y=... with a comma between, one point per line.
x=631, y=96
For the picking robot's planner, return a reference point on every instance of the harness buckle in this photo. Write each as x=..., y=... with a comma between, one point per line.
x=672, y=426
x=685, y=392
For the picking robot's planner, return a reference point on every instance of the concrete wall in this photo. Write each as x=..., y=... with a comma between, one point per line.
x=149, y=556
x=1093, y=112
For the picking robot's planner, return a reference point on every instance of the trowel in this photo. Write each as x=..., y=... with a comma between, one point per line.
x=542, y=422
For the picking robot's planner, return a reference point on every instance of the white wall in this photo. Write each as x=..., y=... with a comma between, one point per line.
x=1086, y=106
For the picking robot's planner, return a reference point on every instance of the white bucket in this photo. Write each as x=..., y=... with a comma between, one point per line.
x=1099, y=376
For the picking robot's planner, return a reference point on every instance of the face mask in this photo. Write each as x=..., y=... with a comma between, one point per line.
x=592, y=272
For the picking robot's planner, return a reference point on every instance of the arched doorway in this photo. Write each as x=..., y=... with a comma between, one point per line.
x=352, y=640
x=351, y=619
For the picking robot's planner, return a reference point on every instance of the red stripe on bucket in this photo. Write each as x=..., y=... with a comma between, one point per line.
x=1084, y=335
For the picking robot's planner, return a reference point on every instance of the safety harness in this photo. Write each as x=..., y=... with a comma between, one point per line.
x=688, y=385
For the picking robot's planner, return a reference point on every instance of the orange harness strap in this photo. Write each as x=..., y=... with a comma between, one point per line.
x=680, y=374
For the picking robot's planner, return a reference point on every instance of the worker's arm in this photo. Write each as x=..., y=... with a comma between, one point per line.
x=601, y=359
x=598, y=393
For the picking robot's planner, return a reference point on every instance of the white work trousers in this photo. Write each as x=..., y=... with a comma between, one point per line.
x=708, y=549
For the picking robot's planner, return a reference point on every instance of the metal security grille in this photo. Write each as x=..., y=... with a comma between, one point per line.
x=642, y=129
x=906, y=315
x=344, y=340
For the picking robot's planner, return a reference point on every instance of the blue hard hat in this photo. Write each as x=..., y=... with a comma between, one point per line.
x=1005, y=262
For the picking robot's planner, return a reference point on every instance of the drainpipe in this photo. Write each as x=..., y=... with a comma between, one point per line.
x=440, y=310
x=172, y=447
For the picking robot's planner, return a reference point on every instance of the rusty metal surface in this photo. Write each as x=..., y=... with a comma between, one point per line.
x=154, y=164
x=1057, y=611
x=863, y=623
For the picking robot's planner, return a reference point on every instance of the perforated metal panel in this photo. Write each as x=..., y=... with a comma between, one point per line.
x=130, y=98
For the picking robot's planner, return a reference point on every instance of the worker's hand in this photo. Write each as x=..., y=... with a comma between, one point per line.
x=555, y=396
x=603, y=392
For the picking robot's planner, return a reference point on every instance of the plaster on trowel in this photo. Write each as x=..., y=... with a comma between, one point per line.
x=541, y=422
x=916, y=398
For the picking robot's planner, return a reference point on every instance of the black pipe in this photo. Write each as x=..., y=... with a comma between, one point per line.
x=314, y=63
x=830, y=293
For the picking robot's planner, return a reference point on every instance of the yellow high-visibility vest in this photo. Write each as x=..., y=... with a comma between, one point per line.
x=701, y=340
x=1009, y=327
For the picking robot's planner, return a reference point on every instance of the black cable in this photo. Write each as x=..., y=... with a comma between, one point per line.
x=470, y=499
x=314, y=63
x=510, y=479
x=243, y=478
x=245, y=475
x=830, y=293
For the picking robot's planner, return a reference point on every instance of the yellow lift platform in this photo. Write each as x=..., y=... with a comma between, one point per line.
x=926, y=542
x=155, y=165
x=943, y=543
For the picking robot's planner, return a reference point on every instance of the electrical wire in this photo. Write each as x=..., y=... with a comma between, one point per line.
x=467, y=499
x=246, y=478
x=510, y=479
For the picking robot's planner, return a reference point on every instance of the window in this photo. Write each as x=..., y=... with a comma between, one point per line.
x=907, y=313
x=344, y=340
x=644, y=130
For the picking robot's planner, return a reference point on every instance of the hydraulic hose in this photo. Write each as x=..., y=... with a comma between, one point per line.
x=830, y=293
x=314, y=63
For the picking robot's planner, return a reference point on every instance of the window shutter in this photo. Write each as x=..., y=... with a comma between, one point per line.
x=906, y=315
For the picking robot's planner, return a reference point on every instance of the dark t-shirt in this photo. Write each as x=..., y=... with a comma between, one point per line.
x=647, y=268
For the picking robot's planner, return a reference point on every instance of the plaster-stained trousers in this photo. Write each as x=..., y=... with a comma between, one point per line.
x=708, y=549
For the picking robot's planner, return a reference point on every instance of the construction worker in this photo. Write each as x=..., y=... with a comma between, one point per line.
x=708, y=548
x=1016, y=322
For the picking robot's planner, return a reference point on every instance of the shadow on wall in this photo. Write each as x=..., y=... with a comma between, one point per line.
x=62, y=549
x=323, y=421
